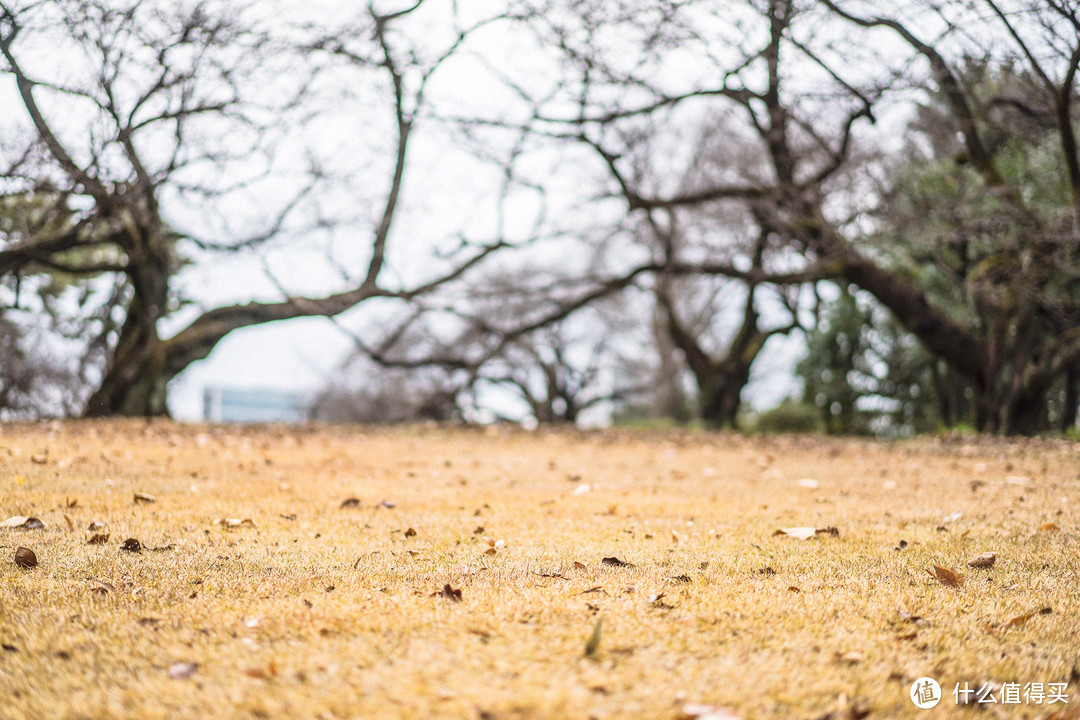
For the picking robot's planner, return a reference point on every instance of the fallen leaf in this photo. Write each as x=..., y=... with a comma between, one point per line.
x=594, y=640
x=72, y=502
x=946, y=576
x=801, y=533
x=679, y=578
x=410, y=532
x=98, y=539
x=693, y=711
x=792, y=588
x=902, y=545
x=579, y=565
x=983, y=560
x=1049, y=527
x=70, y=523
x=350, y=503
x=132, y=545
x=182, y=670
x=100, y=587
x=851, y=658
x=23, y=522
x=388, y=505
x=616, y=562
x=491, y=551
x=596, y=589
x=149, y=621
x=96, y=525
x=270, y=671
x=39, y=459
x=449, y=593
x=766, y=571
x=555, y=574
x=9, y=648
x=1021, y=619
x=704, y=565
x=232, y=523
x=290, y=516
x=144, y=498
x=26, y=558
x=908, y=617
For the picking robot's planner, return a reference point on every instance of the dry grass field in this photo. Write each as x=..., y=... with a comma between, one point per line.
x=422, y=573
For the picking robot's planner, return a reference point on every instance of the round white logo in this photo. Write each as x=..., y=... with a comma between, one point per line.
x=925, y=693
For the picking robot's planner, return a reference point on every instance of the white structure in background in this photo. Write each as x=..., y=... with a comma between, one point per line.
x=253, y=405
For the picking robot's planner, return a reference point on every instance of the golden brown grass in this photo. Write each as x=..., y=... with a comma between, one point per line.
x=329, y=612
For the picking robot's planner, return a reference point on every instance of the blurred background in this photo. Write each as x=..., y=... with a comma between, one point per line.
x=777, y=215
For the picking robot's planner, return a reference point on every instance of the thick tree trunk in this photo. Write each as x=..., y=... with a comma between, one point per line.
x=721, y=395
x=133, y=390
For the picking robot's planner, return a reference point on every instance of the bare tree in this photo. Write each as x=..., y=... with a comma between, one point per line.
x=196, y=104
x=798, y=89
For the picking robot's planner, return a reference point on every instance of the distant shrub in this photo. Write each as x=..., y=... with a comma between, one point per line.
x=791, y=417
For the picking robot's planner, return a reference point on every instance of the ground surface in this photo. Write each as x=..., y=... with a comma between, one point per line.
x=329, y=599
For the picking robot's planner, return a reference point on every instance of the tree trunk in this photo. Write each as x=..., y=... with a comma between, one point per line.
x=1071, y=400
x=721, y=395
x=135, y=381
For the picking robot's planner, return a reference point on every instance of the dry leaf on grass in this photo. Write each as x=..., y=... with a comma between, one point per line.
x=1018, y=621
x=1049, y=527
x=144, y=498
x=258, y=673
x=983, y=560
x=908, y=617
x=26, y=558
x=805, y=533
x=594, y=640
x=694, y=711
x=616, y=562
x=411, y=532
x=132, y=545
x=100, y=587
x=232, y=523
x=945, y=576
x=182, y=670
x=70, y=523
x=449, y=593
x=22, y=522
x=349, y=503
x=579, y=565
x=98, y=539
